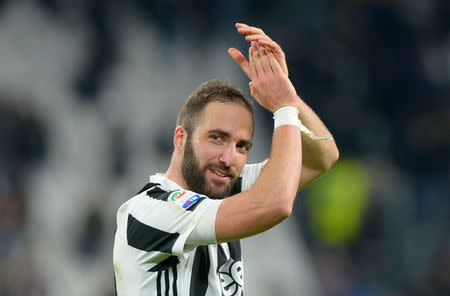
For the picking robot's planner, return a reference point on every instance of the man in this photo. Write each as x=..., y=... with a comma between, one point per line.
x=180, y=234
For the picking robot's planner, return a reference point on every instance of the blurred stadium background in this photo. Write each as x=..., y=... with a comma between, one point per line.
x=89, y=92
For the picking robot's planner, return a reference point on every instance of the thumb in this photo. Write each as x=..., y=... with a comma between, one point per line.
x=239, y=58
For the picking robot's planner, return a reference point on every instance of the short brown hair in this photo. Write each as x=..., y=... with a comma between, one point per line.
x=216, y=90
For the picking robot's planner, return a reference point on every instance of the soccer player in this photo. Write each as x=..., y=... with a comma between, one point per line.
x=180, y=234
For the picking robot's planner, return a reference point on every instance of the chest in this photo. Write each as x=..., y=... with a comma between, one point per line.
x=217, y=268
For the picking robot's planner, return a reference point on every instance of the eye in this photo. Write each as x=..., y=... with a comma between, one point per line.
x=216, y=137
x=243, y=148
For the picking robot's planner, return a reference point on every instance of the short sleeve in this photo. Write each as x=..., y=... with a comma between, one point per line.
x=171, y=222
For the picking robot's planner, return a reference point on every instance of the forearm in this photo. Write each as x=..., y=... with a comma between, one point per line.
x=317, y=154
x=270, y=200
x=281, y=174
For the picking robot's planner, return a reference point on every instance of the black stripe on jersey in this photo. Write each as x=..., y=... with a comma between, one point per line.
x=200, y=270
x=147, y=238
x=235, y=250
x=165, y=264
x=147, y=187
x=158, y=283
x=158, y=193
x=175, y=277
x=235, y=253
x=221, y=257
x=166, y=282
x=237, y=187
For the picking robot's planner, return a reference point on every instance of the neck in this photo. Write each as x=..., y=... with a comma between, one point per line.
x=174, y=173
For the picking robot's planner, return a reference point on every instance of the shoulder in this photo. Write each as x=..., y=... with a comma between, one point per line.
x=185, y=199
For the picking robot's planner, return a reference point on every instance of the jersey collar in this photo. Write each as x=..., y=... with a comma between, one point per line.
x=166, y=183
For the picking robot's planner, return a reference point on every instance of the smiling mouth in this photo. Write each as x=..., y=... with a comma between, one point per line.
x=222, y=172
x=218, y=173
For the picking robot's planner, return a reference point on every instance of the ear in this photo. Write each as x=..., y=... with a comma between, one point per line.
x=179, y=138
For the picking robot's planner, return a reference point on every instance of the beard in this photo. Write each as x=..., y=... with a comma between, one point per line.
x=194, y=175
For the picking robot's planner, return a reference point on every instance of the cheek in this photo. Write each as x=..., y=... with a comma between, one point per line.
x=208, y=152
x=240, y=162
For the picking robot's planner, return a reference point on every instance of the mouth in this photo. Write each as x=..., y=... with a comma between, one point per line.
x=220, y=175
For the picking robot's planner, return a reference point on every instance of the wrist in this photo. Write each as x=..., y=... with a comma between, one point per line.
x=294, y=102
x=286, y=115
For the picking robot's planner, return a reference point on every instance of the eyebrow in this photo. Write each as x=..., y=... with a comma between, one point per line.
x=227, y=135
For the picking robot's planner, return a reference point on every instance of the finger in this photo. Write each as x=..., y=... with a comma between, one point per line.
x=269, y=62
x=257, y=61
x=253, y=72
x=256, y=37
x=275, y=66
x=265, y=63
x=269, y=43
x=250, y=30
x=241, y=25
x=239, y=58
x=278, y=52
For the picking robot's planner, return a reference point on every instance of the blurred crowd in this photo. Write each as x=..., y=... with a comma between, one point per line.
x=89, y=92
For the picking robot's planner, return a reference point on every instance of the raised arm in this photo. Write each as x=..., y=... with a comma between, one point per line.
x=318, y=155
x=270, y=200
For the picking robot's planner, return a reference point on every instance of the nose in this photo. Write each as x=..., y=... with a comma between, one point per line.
x=228, y=156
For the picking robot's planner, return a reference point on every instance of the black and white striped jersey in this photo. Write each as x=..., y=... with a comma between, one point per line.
x=165, y=243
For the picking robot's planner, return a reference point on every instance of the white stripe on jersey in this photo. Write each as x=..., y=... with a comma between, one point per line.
x=250, y=173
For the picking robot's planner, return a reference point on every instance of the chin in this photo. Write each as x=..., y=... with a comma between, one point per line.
x=221, y=193
x=216, y=189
